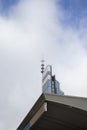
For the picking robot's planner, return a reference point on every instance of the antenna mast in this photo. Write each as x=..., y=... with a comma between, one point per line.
x=42, y=66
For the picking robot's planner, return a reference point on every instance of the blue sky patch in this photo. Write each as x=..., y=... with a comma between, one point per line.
x=73, y=11
x=6, y=5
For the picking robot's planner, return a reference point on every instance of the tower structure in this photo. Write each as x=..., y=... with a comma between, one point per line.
x=49, y=83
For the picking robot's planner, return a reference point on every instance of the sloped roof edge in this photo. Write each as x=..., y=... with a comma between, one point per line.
x=77, y=102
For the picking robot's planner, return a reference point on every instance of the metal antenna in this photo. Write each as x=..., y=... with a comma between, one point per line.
x=42, y=66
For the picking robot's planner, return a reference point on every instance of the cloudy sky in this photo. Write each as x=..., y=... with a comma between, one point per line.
x=30, y=30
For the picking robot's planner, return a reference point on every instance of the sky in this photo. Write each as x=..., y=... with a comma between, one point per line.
x=31, y=30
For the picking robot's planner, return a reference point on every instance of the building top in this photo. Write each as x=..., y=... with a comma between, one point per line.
x=53, y=111
x=49, y=83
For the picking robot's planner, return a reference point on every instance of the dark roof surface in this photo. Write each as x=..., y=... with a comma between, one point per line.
x=57, y=112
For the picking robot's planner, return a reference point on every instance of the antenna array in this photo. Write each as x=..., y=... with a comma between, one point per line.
x=42, y=66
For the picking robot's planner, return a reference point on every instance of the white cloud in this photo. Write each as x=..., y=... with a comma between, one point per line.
x=33, y=29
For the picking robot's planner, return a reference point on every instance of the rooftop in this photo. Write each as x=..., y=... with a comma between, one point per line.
x=52, y=111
